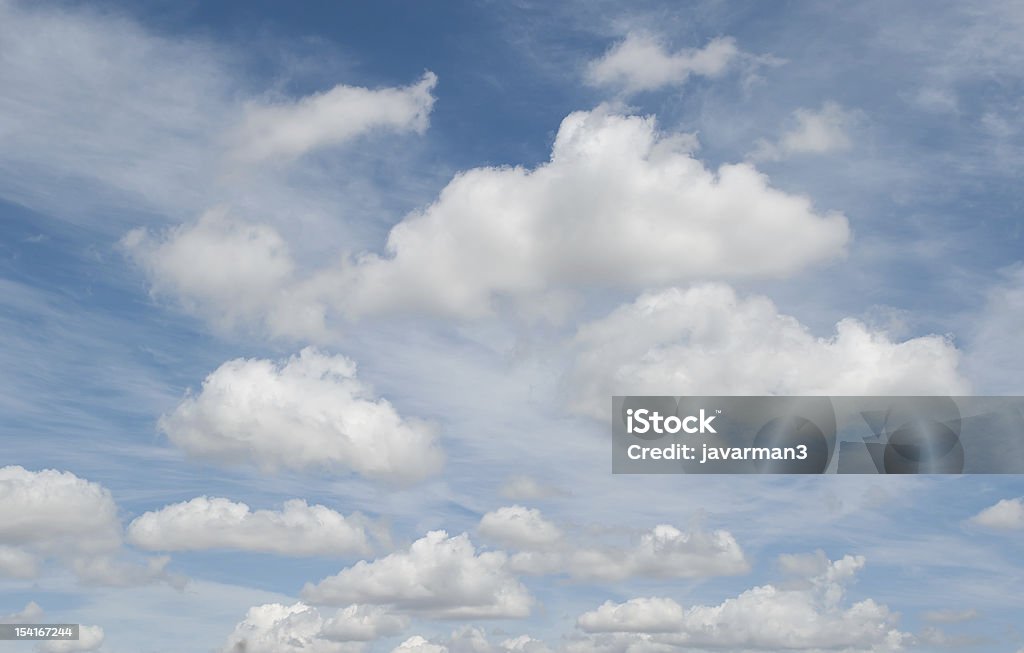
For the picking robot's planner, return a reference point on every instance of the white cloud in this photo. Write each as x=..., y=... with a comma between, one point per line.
x=417, y=644
x=470, y=639
x=308, y=412
x=707, y=340
x=125, y=118
x=438, y=576
x=519, y=527
x=523, y=644
x=643, y=615
x=17, y=563
x=804, y=565
x=618, y=204
x=363, y=623
x=235, y=273
x=90, y=638
x=764, y=618
x=1007, y=515
x=996, y=351
x=816, y=131
x=641, y=62
x=527, y=488
x=216, y=523
x=30, y=614
x=662, y=552
x=290, y=129
x=55, y=512
x=52, y=515
x=276, y=628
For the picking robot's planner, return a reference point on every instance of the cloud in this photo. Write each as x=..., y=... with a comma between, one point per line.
x=618, y=205
x=1006, y=515
x=417, y=644
x=56, y=512
x=90, y=638
x=308, y=412
x=215, y=523
x=439, y=576
x=662, y=552
x=363, y=623
x=764, y=618
x=707, y=340
x=17, y=563
x=298, y=628
x=519, y=527
x=643, y=615
x=527, y=488
x=816, y=132
x=470, y=639
x=30, y=614
x=54, y=515
x=641, y=62
x=237, y=274
x=131, y=124
x=996, y=345
x=290, y=129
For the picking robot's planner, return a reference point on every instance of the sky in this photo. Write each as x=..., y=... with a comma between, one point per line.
x=311, y=316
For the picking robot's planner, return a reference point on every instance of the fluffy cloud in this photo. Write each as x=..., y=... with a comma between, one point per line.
x=519, y=527
x=54, y=515
x=363, y=623
x=640, y=62
x=764, y=618
x=90, y=638
x=469, y=639
x=30, y=614
x=1006, y=515
x=996, y=351
x=662, y=552
x=235, y=273
x=290, y=129
x=308, y=412
x=417, y=644
x=643, y=615
x=438, y=575
x=17, y=563
x=215, y=523
x=707, y=340
x=618, y=204
x=55, y=512
x=276, y=628
x=815, y=132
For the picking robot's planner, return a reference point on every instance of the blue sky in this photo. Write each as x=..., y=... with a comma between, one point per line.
x=390, y=261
